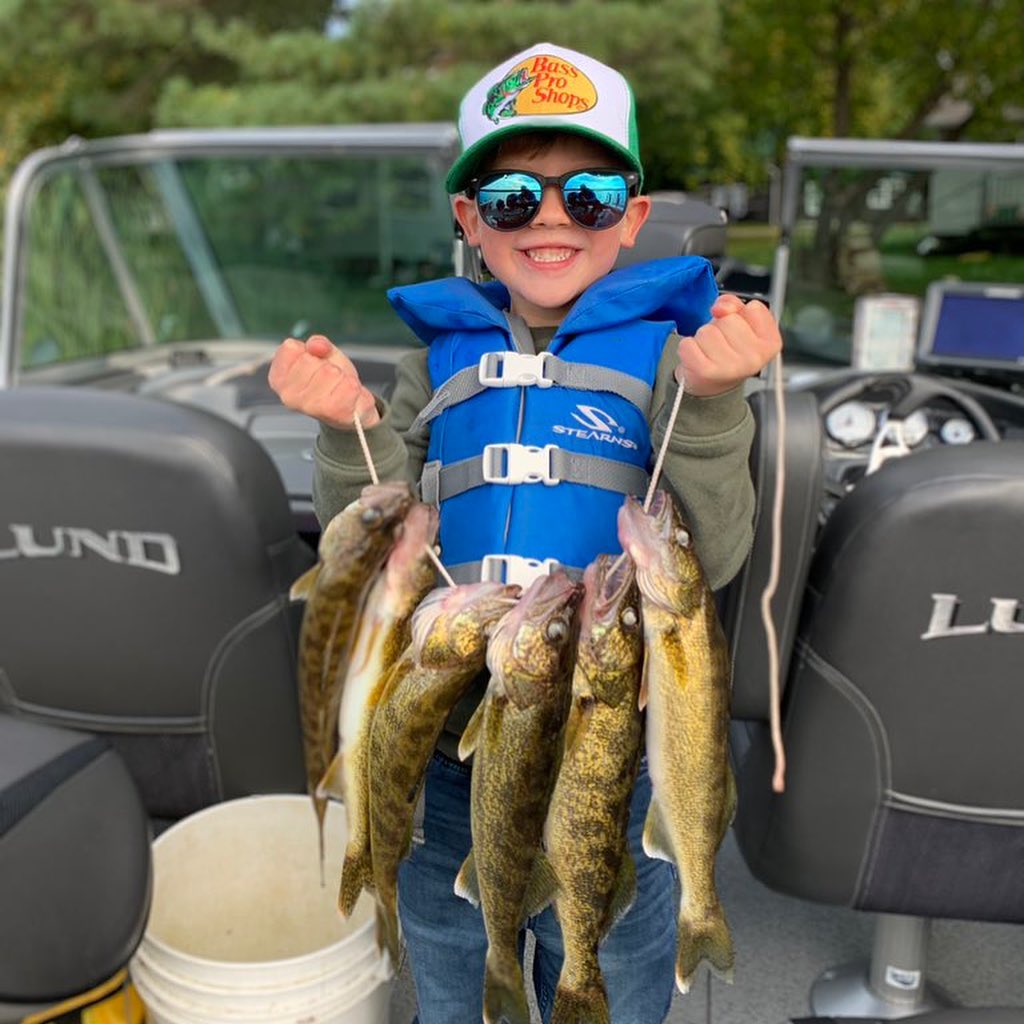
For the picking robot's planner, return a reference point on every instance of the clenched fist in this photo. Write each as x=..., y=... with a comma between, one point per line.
x=318, y=379
x=737, y=343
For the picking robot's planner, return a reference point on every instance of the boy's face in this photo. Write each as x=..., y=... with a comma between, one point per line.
x=550, y=262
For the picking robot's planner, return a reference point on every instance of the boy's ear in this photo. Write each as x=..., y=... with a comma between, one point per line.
x=637, y=212
x=468, y=217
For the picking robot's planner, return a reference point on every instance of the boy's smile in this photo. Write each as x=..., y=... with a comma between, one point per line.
x=550, y=262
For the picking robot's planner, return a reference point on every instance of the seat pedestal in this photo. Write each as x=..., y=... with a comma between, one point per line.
x=893, y=985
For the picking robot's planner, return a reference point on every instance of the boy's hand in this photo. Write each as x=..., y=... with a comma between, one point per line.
x=318, y=379
x=737, y=343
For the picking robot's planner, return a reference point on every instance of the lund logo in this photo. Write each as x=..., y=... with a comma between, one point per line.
x=155, y=551
x=596, y=425
x=1002, y=620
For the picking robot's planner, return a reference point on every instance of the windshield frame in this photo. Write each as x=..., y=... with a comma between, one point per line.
x=428, y=139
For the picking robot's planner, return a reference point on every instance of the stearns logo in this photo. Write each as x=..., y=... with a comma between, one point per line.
x=540, y=85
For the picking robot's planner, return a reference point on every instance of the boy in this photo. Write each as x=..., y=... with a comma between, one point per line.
x=529, y=455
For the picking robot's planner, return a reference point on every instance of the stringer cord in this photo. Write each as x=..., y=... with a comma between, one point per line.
x=431, y=553
x=774, y=688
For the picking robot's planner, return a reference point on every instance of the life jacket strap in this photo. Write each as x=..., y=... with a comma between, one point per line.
x=513, y=569
x=528, y=464
x=507, y=369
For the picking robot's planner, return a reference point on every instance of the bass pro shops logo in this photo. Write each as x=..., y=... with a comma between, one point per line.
x=1004, y=617
x=540, y=85
x=595, y=425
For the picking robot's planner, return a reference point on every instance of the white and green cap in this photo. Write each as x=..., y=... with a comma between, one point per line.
x=545, y=88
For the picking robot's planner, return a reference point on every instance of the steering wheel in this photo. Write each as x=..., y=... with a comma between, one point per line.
x=912, y=391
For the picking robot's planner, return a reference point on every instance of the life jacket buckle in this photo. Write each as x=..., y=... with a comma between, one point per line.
x=513, y=369
x=515, y=569
x=518, y=464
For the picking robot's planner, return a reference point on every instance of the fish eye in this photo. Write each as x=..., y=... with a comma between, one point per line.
x=557, y=630
x=370, y=515
x=629, y=617
x=683, y=537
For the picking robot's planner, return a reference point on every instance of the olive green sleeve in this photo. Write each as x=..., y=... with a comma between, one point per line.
x=340, y=470
x=707, y=467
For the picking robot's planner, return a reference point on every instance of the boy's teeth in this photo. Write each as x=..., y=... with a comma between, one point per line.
x=549, y=255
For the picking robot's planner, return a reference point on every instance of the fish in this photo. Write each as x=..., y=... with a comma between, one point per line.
x=514, y=737
x=382, y=634
x=585, y=833
x=352, y=549
x=685, y=688
x=450, y=630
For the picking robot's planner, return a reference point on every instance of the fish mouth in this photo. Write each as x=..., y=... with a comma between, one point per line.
x=605, y=584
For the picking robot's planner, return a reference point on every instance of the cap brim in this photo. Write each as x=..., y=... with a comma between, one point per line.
x=469, y=162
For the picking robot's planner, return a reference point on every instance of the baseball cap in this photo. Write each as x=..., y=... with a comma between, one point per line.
x=545, y=88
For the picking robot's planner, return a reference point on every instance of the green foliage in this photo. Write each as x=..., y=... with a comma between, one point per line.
x=720, y=84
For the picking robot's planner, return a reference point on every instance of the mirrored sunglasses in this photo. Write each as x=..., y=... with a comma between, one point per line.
x=594, y=199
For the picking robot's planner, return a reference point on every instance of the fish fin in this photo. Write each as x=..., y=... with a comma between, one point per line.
x=467, y=885
x=504, y=992
x=541, y=889
x=708, y=940
x=587, y=1005
x=471, y=734
x=576, y=723
x=303, y=586
x=656, y=838
x=332, y=785
x=625, y=890
x=644, y=674
x=356, y=875
x=389, y=931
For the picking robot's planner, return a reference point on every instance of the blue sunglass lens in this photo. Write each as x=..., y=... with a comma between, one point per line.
x=509, y=201
x=596, y=201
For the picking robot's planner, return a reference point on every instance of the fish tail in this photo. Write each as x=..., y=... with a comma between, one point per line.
x=389, y=934
x=504, y=992
x=356, y=875
x=588, y=1005
x=708, y=939
x=320, y=809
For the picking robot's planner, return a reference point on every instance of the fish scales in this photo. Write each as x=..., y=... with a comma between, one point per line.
x=585, y=834
x=352, y=549
x=687, y=684
x=450, y=630
x=514, y=737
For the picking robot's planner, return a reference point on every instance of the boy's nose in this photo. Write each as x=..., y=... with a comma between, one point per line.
x=552, y=209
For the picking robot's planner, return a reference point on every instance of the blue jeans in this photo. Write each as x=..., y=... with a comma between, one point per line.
x=446, y=941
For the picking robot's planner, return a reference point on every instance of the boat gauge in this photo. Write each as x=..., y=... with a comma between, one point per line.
x=957, y=430
x=915, y=428
x=851, y=424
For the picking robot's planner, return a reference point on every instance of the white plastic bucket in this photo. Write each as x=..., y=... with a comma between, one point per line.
x=241, y=930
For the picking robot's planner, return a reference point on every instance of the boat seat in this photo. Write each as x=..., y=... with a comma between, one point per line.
x=905, y=772
x=146, y=552
x=75, y=869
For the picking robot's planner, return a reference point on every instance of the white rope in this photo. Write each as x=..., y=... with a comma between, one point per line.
x=431, y=553
x=774, y=686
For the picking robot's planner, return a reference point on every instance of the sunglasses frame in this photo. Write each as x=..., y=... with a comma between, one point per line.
x=473, y=187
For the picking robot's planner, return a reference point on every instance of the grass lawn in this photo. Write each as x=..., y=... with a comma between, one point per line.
x=751, y=242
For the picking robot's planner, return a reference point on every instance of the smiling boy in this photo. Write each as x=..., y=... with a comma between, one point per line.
x=537, y=404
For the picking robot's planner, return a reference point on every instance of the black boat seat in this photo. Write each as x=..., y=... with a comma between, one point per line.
x=74, y=865
x=146, y=551
x=905, y=780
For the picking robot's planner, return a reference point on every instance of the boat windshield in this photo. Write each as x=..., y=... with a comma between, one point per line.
x=129, y=254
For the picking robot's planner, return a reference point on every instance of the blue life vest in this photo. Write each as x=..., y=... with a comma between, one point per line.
x=588, y=430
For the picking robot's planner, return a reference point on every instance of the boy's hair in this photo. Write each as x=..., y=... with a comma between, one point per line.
x=537, y=143
x=546, y=88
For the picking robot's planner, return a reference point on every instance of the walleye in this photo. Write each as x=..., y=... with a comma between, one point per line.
x=514, y=736
x=352, y=549
x=585, y=834
x=450, y=630
x=685, y=686
x=381, y=636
